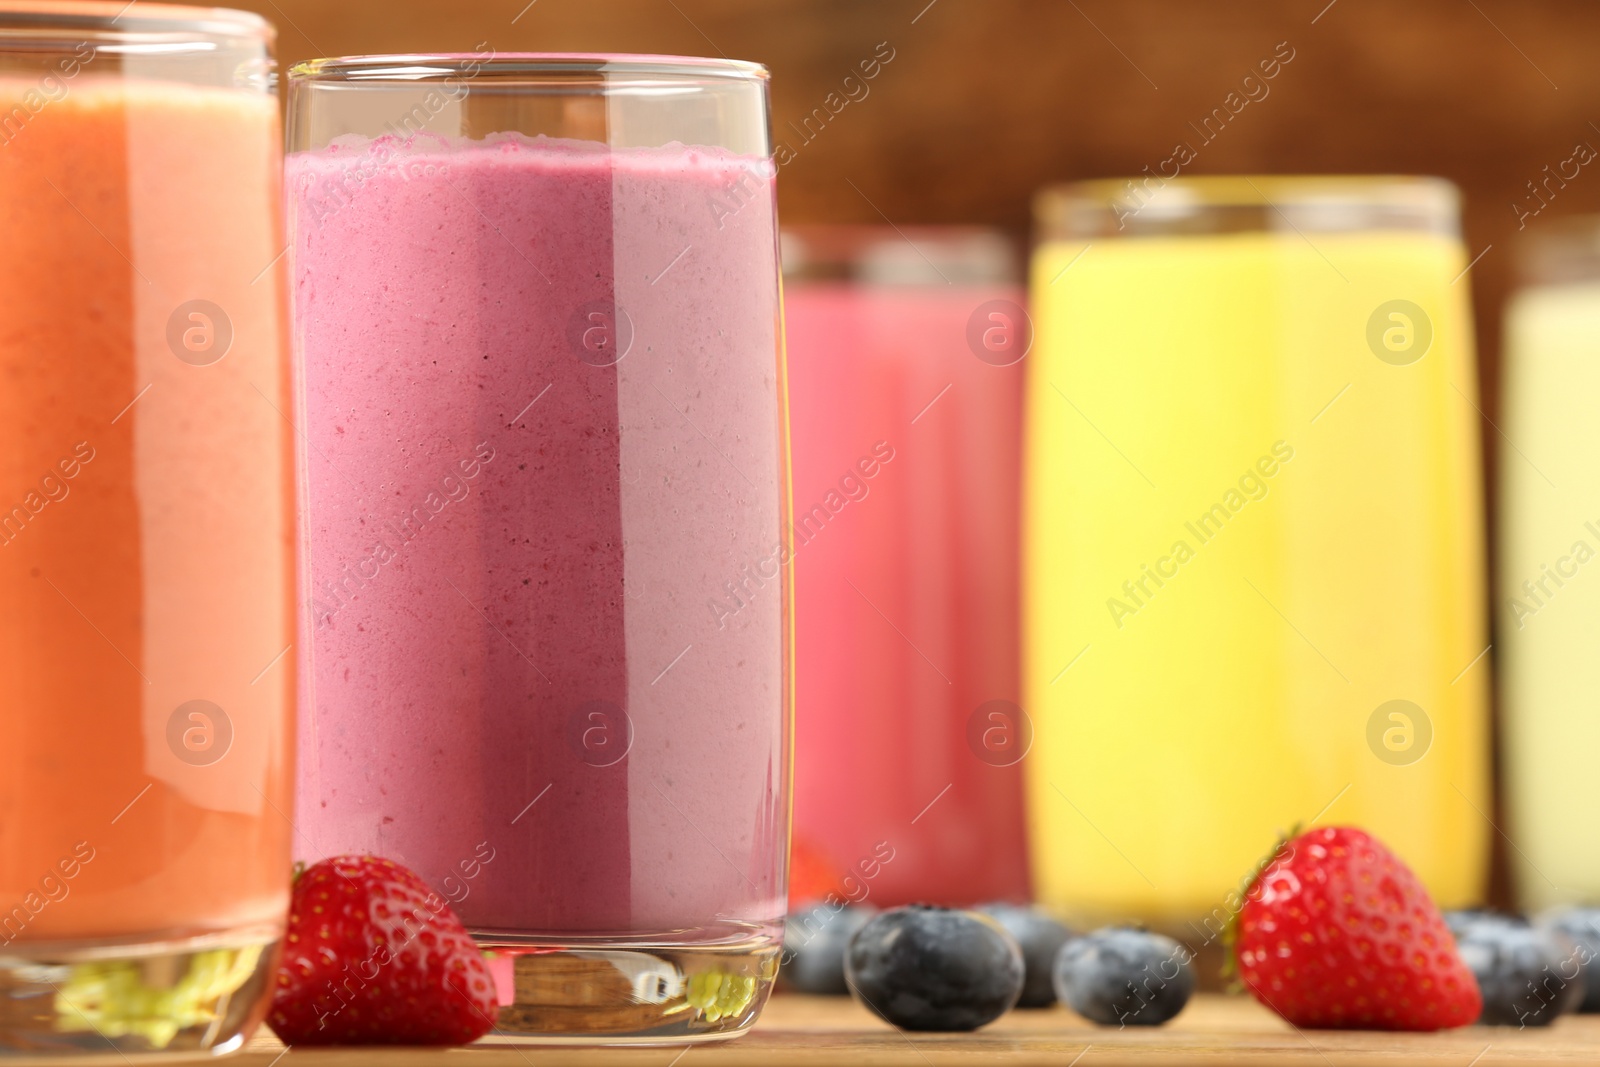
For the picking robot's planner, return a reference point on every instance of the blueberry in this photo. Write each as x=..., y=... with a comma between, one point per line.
x=814, y=941
x=1041, y=937
x=1527, y=975
x=1120, y=976
x=1581, y=926
x=928, y=968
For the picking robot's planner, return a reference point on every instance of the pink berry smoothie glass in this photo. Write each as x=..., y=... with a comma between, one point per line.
x=537, y=301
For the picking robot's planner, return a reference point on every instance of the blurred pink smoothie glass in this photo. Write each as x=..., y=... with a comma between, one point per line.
x=905, y=376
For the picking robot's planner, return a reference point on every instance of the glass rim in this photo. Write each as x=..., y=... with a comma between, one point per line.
x=414, y=67
x=876, y=253
x=1153, y=206
x=114, y=19
x=1562, y=251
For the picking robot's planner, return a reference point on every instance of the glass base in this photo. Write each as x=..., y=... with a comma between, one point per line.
x=200, y=996
x=629, y=992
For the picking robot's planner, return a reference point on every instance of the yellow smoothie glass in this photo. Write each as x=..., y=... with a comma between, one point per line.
x=1253, y=549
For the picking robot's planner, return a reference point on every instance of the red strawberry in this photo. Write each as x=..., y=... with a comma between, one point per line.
x=812, y=873
x=375, y=957
x=1336, y=932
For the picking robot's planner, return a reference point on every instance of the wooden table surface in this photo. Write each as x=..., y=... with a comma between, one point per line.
x=800, y=1031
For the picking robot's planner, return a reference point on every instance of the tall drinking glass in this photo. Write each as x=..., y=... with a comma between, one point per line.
x=1549, y=603
x=906, y=401
x=1254, y=545
x=537, y=301
x=146, y=528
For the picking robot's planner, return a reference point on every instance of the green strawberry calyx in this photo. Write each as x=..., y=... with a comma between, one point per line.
x=1247, y=886
x=720, y=994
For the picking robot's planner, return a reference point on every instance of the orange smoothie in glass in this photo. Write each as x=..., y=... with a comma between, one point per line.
x=146, y=544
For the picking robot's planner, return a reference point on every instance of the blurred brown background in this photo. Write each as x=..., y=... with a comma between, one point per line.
x=985, y=100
